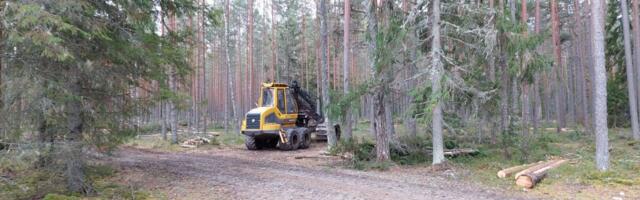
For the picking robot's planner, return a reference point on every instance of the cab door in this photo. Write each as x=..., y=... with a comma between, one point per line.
x=287, y=108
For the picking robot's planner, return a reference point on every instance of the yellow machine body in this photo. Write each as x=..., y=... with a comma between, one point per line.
x=276, y=110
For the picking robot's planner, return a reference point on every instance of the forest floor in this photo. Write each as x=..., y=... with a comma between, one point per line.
x=232, y=172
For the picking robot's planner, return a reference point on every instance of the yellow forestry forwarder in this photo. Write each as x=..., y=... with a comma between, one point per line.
x=285, y=118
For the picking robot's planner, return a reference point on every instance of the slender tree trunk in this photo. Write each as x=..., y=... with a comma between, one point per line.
x=631, y=84
x=203, y=59
x=1, y=60
x=75, y=124
x=230, y=70
x=635, y=28
x=437, y=72
x=600, y=86
x=537, y=100
x=250, y=51
x=173, y=114
x=555, y=34
x=163, y=119
x=526, y=103
x=274, y=45
x=345, y=68
x=331, y=135
x=173, y=86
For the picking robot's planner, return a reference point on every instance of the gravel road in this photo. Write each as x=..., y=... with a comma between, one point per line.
x=236, y=173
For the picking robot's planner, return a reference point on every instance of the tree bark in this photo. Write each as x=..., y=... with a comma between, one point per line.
x=526, y=103
x=531, y=179
x=635, y=28
x=274, y=45
x=631, y=83
x=436, y=73
x=326, y=100
x=230, y=70
x=505, y=118
x=250, y=51
x=557, y=49
x=345, y=68
x=600, y=86
x=75, y=124
x=173, y=86
x=1, y=59
x=378, y=97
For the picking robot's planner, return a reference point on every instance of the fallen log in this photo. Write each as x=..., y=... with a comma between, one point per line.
x=531, y=178
x=533, y=168
x=511, y=170
x=460, y=152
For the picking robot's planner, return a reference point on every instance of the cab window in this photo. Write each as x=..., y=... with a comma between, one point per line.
x=281, y=105
x=291, y=104
x=267, y=97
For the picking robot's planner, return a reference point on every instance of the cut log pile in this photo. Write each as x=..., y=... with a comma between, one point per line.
x=528, y=175
x=195, y=142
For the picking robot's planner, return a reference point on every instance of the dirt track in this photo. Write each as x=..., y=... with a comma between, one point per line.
x=235, y=173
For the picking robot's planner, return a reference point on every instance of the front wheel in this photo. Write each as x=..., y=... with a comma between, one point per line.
x=250, y=142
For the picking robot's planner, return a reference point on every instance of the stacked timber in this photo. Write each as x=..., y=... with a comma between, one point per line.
x=529, y=175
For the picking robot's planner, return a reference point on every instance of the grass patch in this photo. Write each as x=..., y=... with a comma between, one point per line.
x=20, y=179
x=580, y=171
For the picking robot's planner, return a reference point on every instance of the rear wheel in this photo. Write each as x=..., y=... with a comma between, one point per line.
x=306, y=141
x=250, y=142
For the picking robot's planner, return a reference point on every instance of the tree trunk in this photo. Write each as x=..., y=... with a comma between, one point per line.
x=230, y=70
x=163, y=119
x=557, y=49
x=600, y=86
x=173, y=87
x=250, y=51
x=526, y=103
x=635, y=28
x=437, y=72
x=326, y=100
x=203, y=65
x=345, y=68
x=173, y=114
x=1, y=61
x=378, y=97
x=631, y=83
x=274, y=45
x=73, y=157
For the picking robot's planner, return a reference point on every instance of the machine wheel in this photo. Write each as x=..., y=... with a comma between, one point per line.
x=306, y=141
x=293, y=142
x=250, y=142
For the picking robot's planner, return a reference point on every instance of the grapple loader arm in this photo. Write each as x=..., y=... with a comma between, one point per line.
x=306, y=103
